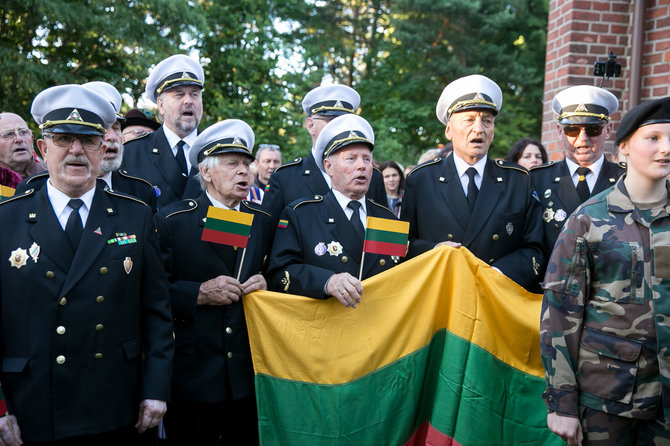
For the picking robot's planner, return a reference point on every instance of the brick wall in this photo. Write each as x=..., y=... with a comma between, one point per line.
x=581, y=32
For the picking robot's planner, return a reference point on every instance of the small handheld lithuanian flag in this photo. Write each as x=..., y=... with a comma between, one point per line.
x=227, y=227
x=386, y=236
x=6, y=192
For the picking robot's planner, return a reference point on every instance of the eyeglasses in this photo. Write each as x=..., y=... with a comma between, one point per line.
x=65, y=140
x=9, y=135
x=573, y=131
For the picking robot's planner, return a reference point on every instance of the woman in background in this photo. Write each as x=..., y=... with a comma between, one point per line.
x=394, y=180
x=527, y=153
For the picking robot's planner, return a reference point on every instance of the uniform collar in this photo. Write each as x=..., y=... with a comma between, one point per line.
x=218, y=204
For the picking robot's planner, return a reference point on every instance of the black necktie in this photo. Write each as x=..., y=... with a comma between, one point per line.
x=355, y=218
x=582, y=185
x=180, y=157
x=74, y=228
x=472, y=187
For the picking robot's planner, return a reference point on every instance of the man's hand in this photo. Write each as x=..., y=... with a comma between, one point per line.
x=345, y=288
x=254, y=283
x=151, y=413
x=568, y=428
x=10, y=434
x=452, y=244
x=221, y=290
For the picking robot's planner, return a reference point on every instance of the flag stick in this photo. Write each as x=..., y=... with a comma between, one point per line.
x=360, y=273
x=239, y=271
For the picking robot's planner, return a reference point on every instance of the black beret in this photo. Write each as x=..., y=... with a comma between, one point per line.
x=652, y=112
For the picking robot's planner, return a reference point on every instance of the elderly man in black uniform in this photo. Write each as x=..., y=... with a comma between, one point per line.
x=161, y=157
x=303, y=176
x=318, y=245
x=213, y=385
x=112, y=145
x=583, y=126
x=470, y=200
x=86, y=329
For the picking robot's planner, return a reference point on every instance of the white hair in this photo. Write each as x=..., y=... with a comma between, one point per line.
x=209, y=162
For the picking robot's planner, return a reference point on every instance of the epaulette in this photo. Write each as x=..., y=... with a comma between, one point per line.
x=427, y=163
x=188, y=205
x=141, y=137
x=16, y=197
x=316, y=199
x=542, y=166
x=508, y=165
x=122, y=195
x=125, y=174
x=37, y=176
x=371, y=201
x=290, y=163
x=254, y=207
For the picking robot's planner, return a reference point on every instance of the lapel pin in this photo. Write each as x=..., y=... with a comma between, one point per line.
x=128, y=265
x=34, y=251
x=98, y=231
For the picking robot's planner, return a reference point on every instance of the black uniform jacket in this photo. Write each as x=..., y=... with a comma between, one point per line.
x=302, y=178
x=121, y=181
x=317, y=242
x=150, y=157
x=504, y=228
x=212, y=359
x=558, y=194
x=84, y=335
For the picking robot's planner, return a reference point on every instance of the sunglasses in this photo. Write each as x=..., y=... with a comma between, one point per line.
x=573, y=131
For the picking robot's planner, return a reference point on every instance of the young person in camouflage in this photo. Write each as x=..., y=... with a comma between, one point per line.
x=604, y=327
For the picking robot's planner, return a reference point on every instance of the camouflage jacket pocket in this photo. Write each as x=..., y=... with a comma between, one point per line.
x=618, y=271
x=608, y=365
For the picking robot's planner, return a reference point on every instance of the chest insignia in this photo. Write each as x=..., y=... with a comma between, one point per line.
x=320, y=249
x=18, y=258
x=547, y=193
x=334, y=248
x=548, y=215
x=560, y=215
x=34, y=251
x=128, y=265
x=509, y=228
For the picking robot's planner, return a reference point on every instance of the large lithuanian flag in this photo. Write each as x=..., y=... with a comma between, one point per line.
x=442, y=350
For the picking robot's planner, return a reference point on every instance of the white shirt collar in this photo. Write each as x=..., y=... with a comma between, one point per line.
x=173, y=139
x=344, y=201
x=595, y=167
x=107, y=178
x=218, y=204
x=462, y=166
x=59, y=202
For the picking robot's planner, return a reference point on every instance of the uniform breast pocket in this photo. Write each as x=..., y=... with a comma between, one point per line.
x=512, y=224
x=618, y=271
x=608, y=365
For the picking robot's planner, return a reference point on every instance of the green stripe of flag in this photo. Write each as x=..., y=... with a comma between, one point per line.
x=227, y=226
x=376, y=235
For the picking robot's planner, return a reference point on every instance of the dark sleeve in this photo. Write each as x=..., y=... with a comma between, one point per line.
x=408, y=212
x=183, y=293
x=273, y=198
x=377, y=191
x=157, y=326
x=526, y=264
x=287, y=270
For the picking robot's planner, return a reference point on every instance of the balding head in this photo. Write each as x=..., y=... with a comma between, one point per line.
x=16, y=142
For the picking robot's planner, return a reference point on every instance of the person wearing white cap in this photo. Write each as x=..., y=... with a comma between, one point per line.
x=583, y=124
x=471, y=200
x=112, y=145
x=213, y=384
x=318, y=246
x=84, y=273
x=302, y=176
x=162, y=157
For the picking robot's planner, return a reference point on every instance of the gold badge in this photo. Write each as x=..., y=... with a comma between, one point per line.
x=286, y=281
x=548, y=215
x=34, y=251
x=18, y=258
x=334, y=248
x=128, y=265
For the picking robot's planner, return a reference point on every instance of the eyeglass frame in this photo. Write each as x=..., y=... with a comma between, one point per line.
x=15, y=134
x=75, y=136
x=591, y=130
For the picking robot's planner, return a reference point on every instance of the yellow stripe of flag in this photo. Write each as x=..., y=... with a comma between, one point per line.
x=387, y=224
x=228, y=215
x=402, y=309
x=6, y=192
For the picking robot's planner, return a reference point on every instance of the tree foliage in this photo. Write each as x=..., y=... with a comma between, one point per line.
x=261, y=57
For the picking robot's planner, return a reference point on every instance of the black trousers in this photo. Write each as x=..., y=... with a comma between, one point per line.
x=125, y=437
x=212, y=424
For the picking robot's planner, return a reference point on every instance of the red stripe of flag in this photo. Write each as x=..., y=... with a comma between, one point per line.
x=224, y=238
x=390, y=249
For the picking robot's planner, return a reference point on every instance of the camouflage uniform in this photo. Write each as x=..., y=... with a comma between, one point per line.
x=607, y=294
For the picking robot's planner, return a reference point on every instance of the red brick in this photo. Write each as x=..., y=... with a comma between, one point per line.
x=599, y=28
x=658, y=35
x=583, y=37
x=615, y=18
x=581, y=4
x=580, y=26
x=645, y=92
x=575, y=80
x=662, y=68
x=578, y=70
x=601, y=6
x=621, y=6
x=656, y=80
x=656, y=12
x=646, y=70
x=663, y=23
x=607, y=38
x=618, y=29
x=623, y=40
x=659, y=92
x=651, y=58
x=588, y=16
x=662, y=45
x=599, y=51
x=666, y=57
